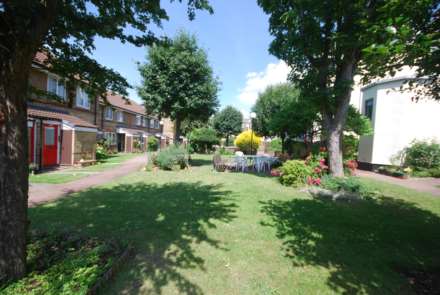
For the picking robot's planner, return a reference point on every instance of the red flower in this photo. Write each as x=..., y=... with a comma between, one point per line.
x=317, y=181
x=317, y=170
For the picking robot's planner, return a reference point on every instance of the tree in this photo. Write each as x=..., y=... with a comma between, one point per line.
x=178, y=82
x=281, y=111
x=328, y=42
x=202, y=139
x=228, y=122
x=66, y=31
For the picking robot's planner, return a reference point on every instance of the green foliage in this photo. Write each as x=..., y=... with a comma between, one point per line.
x=350, y=146
x=294, y=173
x=248, y=142
x=423, y=154
x=153, y=143
x=225, y=152
x=101, y=152
x=281, y=110
x=327, y=43
x=178, y=82
x=275, y=145
x=346, y=184
x=422, y=172
x=227, y=122
x=357, y=123
x=64, y=264
x=172, y=158
x=68, y=29
x=202, y=139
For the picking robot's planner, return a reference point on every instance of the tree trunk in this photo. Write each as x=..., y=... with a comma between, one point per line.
x=227, y=139
x=334, y=122
x=334, y=147
x=14, y=75
x=282, y=144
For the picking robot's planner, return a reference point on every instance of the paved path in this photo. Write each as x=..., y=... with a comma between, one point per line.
x=41, y=193
x=426, y=185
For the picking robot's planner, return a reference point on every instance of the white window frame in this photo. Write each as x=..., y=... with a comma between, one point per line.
x=82, y=99
x=144, y=122
x=156, y=124
x=106, y=113
x=58, y=83
x=120, y=116
x=138, y=120
x=151, y=123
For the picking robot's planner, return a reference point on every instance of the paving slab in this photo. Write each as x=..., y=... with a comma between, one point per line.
x=40, y=193
x=425, y=185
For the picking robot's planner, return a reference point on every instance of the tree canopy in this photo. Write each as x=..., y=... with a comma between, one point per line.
x=281, y=111
x=178, y=82
x=202, y=139
x=66, y=31
x=328, y=42
x=228, y=122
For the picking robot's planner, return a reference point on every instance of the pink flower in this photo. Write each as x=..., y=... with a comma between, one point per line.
x=317, y=170
x=317, y=181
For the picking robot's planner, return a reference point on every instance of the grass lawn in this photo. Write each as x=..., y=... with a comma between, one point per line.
x=71, y=174
x=202, y=232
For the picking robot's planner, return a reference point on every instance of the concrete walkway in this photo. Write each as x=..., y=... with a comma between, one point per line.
x=425, y=185
x=43, y=193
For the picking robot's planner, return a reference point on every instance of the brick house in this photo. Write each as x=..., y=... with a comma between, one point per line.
x=64, y=131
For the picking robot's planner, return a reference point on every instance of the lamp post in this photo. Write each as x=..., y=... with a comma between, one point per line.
x=252, y=116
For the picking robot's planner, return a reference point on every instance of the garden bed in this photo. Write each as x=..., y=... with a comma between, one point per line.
x=68, y=264
x=393, y=172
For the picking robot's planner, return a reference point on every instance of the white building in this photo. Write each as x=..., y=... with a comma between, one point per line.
x=397, y=119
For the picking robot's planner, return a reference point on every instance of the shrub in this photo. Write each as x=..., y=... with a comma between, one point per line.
x=434, y=172
x=243, y=142
x=294, y=173
x=102, y=152
x=346, y=184
x=423, y=154
x=153, y=143
x=225, y=152
x=203, y=139
x=172, y=158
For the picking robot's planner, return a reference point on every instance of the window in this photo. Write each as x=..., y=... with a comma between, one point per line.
x=108, y=113
x=49, y=136
x=56, y=86
x=156, y=124
x=151, y=123
x=82, y=98
x=138, y=120
x=144, y=122
x=119, y=116
x=369, y=104
x=110, y=138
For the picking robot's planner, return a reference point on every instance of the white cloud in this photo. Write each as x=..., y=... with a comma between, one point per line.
x=258, y=82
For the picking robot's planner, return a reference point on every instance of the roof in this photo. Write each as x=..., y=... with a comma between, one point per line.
x=125, y=103
x=49, y=114
x=392, y=79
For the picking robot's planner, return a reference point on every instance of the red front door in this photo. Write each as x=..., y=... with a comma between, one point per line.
x=50, y=145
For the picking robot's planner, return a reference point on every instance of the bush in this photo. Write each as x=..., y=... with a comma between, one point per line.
x=102, y=152
x=243, y=142
x=423, y=154
x=203, y=139
x=153, y=143
x=421, y=172
x=346, y=184
x=172, y=158
x=225, y=152
x=294, y=173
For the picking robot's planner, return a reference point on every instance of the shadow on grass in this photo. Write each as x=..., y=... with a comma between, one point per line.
x=362, y=244
x=163, y=222
x=197, y=162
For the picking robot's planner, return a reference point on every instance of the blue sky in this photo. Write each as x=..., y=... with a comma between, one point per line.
x=235, y=37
